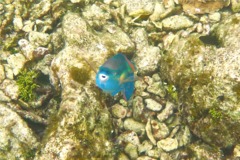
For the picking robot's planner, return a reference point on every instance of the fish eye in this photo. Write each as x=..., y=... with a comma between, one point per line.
x=103, y=77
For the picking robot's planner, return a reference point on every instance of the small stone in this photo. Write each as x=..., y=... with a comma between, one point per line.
x=153, y=105
x=149, y=132
x=139, y=7
x=145, y=146
x=236, y=151
x=39, y=38
x=129, y=137
x=10, y=89
x=158, y=10
x=155, y=153
x=131, y=124
x=235, y=5
x=18, y=23
x=123, y=156
x=168, y=144
x=214, y=17
x=119, y=111
x=28, y=26
x=26, y=48
x=157, y=89
x=16, y=67
x=131, y=150
x=138, y=107
x=177, y=22
x=3, y=97
x=166, y=112
x=160, y=130
x=183, y=136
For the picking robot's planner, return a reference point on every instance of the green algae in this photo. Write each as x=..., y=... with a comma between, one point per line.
x=80, y=75
x=27, y=85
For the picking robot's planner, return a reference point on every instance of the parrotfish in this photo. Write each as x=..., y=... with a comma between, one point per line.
x=117, y=75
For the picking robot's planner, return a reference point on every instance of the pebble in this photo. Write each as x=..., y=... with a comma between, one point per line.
x=149, y=132
x=168, y=144
x=159, y=130
x=166, y=112
x=18, y=23
x=132, y=125
x=236, y=151
x=157, y=89
x=16, y=67
x=155, y=153
x=145, y=146
x=131, y=151
x=137, y=107
x=119, y=111
x=153, y=105
x=129, y=137
x=214, y=17
x=235, y=5
x=39, y=38
x=10, y=89
x=177, y=22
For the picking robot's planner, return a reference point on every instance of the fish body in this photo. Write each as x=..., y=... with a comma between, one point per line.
x=116, y=75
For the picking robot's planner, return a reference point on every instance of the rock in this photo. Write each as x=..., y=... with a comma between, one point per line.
x=131, y=124
x=39, y=38
x=153, y=105
x=123, y=156
x=16, y=67
x=158, y=10
x=138, y=107
x=204, y=151
x=214, y=17
x=166, y=112
x=10, y=89
x=131, y=151
x=159, y=130
x=155, y=153
x=139, y=7
x=235, y=5
x=183, y=136
x=17, y=139
x=168, y=144
x=208, y=70
x=81, y=109
x=145, y=146
x=129, y=137
x=176, y=22
x=147, y=56
x=236, y=151
x=119, y=111
x=149, y=132
x=202, y=7
x=157, y=89
x=18, y=23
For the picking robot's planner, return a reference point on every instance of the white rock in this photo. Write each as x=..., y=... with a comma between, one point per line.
x=168, y=144
x=145, y=146
x=18, y=23
x=119, y=111
x=176, y=22
x=131, y=124
x=10, y=89
x=153, y=105
x=16, y=62
x=166, y=112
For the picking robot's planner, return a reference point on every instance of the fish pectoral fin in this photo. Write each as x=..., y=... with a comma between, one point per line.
x=128, y=89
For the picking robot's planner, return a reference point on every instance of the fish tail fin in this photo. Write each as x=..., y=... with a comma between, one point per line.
x=128, y=89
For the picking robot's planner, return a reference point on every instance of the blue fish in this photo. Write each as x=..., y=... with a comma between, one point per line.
x=117, y=75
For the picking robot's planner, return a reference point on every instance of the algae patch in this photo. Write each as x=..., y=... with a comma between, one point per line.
x=27, y=85
x=80, y=75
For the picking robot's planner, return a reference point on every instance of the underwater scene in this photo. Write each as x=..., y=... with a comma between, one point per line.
x=119, y=79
